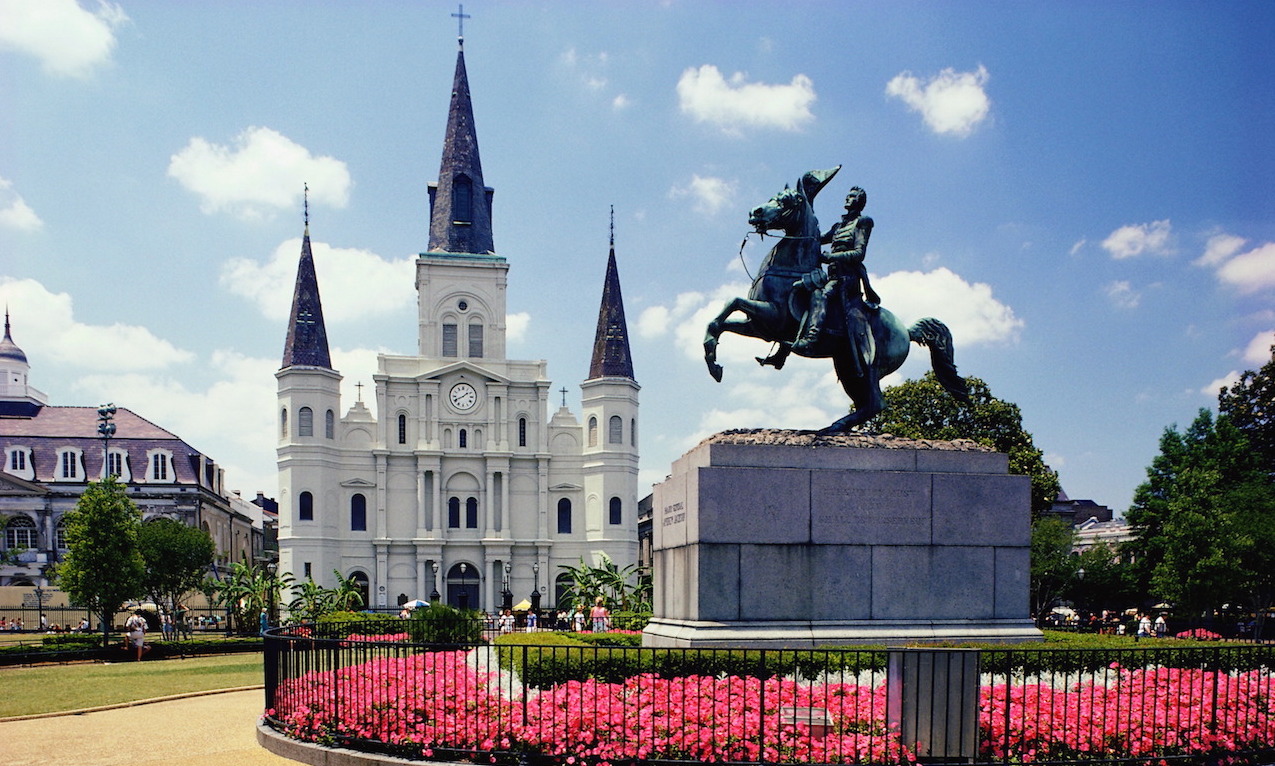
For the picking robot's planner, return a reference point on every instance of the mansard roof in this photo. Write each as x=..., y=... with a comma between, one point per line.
x=307, y=343
x=460, y=204
x=611, y=357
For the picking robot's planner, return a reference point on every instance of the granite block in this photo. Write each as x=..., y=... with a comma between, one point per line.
x=1013, y=581
x=950, y=461
x=751, y=505
x=929, y=582
x=840, y=582
x=776, y=582
x=870, y=508
x=669, y=522
x=718, y=592
x=981, y=510
x=815, y=458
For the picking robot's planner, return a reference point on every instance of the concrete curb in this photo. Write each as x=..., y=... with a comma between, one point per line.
x=319, y=755
x=133, y=703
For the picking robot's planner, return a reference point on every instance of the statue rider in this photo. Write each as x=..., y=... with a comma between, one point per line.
x=845, y=278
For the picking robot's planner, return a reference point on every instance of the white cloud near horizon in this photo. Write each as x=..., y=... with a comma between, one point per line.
x=1155, y=238
x=44, y=325
x=68, y=40
x=1252, y=271
x=735, y=104
x=15, y=213
x=369, y=284
x=708, y=195
x=260, y=173
x=1220, y=248
x=516, y=326
x=1258, y=350
x=950, y=103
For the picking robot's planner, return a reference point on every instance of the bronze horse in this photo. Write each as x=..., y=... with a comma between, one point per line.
x=774, y=308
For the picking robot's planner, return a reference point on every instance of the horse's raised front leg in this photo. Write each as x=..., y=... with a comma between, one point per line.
x=757, y=314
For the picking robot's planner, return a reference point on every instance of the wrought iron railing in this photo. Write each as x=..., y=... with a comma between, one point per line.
x=568, y=703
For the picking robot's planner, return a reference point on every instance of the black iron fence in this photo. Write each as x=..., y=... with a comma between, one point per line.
x=339, y=685
x=65, y=619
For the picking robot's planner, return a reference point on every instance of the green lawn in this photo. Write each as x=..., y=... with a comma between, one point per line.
x=71, y=687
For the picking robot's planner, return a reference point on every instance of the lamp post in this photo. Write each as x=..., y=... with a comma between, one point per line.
x=535, y=593
x=506, y=596
x=464, y=590
x=1080, y=579
x=39, y=605
x=106, y=427
x=271, y=618
x=434, y=595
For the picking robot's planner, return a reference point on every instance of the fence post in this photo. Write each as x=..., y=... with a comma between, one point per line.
x=932, y=701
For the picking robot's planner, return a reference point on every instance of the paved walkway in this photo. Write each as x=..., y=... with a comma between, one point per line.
x=211, y=729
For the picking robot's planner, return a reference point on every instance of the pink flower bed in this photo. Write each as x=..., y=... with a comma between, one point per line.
x=392, y=638
x=436, y=700
x=1200, y=634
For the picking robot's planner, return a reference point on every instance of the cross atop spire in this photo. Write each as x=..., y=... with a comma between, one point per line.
x=460, y=15
x=306, y=194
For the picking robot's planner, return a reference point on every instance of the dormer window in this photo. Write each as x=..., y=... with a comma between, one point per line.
x=117, y=465
x=70, y=465
x=462, y=199
x=159, y=466
x=18, y=462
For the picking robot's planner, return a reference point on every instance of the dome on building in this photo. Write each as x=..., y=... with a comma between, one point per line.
x=8, y=349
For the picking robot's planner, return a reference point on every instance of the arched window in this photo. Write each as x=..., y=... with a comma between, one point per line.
x=329, y=424
x=522, y=432
x=20, y=532
x=471, y=513
x=70, y=464
x=564, y=516
x=59, y=534
x=358, y=513
x=305, y=507
x=475, y=341
x=449, y=339
x=462, y=199
x=305, y=422
x=615, y=430
x=464, y=439
x=283, y=422
x=593, y=432
x=453, y=512
x=402, y=429
x=561, y=585
x=617, y=515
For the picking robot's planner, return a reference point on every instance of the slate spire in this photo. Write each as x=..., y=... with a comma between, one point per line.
x=611, y=358
x=307, y=344
x=460, y=204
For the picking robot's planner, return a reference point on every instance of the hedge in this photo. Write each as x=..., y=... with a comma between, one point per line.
x=84, y=647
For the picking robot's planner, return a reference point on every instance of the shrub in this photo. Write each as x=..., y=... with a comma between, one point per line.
x=442, y=624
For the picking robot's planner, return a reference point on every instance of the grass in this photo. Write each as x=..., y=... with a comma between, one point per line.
x=56, y=688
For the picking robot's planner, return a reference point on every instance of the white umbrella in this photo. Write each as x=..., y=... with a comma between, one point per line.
x=415, y=603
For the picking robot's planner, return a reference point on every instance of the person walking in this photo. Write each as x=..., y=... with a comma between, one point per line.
x=136, y=627
x=600, y=616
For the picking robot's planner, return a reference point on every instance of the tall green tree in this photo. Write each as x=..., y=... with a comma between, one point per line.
x=176, y=557
x=921, y=409
x=103, y=566
x=1053, y=567
x=1250, y=405
x=1203, y=522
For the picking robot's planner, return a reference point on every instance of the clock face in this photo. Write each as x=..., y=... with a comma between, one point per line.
x=463, y=396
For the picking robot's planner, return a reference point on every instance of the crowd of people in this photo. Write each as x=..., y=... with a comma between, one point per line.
x=579, y=619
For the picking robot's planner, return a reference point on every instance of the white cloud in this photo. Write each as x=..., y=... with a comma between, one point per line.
x=1076, y=247
x=1219, y=249
x=709, y=195
x=1226, y=381
x=352, y=283
x=952, y=102
x=1122, y=295
x=621, y=102
x=1258, y=351
x=68, y=40
x=262, y=172
x=44, y=323
x=736, y=104
x=516, y=326
x=1155, y=238
x=1252, y=271
x=15, y=213
x=970, y=311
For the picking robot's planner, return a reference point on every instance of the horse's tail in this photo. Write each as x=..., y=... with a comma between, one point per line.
x=934, y=334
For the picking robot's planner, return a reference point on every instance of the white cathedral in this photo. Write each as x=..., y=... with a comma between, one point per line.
x=463, y=486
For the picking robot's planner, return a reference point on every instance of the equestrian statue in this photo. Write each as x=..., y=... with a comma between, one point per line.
x=832, y=312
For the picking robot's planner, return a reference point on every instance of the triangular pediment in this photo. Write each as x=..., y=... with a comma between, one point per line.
x=464, y=367
x=13, y=486
x=358, y=483
x=565, y=487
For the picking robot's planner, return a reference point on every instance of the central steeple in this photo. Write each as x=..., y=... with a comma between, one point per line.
x=460, y=203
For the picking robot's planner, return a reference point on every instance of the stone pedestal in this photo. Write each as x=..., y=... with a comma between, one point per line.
x=783, y=539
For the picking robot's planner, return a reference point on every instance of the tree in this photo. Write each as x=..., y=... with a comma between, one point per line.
x=1250, y=405
x=176, y=557
x=249, y=590
x=103, y=566
x=1052, y=565
x=622, y=587
x=1204, y=521
x=922, y=409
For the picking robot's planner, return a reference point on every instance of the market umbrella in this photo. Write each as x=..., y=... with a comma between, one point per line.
x=522, y=606
x=149, y=606
x=415, y=603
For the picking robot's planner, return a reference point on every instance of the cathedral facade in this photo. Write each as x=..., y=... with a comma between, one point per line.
x=462, y=486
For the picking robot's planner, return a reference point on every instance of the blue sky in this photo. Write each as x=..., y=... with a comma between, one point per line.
x=1082, y=192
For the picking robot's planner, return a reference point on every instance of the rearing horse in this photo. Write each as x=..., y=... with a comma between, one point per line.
x=773, y=311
